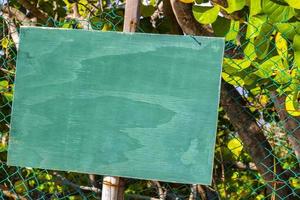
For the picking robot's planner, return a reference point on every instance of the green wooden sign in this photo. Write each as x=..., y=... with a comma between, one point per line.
x=120, y=104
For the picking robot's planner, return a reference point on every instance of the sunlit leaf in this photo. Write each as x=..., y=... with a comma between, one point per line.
x=281, y=46
x=8, y=96
x=282, y=77
x=255, y=7
x=235, y=5
x=235, y=146
x=238, y=64
x=233, y=80
x=254, y=25
x=293, y=3
x=3, y=86
x=277, y=12
x=187, y=1
x=267, y=68
x=295, y=182
x=249, y=50
x=206, y=15
x=5, y=43
x=289, y=30
x=233, y=31
x=292, y=104
x=296, y=46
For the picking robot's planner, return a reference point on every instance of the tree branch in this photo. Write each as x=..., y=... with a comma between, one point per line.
x=161, y=193
x=17, y=14
x=169, y=15
x=254, y=141
x=34, y=10
x=12, y=195
x=291, y=123
x=12, y=29
x=65, y=181
x=187, y=22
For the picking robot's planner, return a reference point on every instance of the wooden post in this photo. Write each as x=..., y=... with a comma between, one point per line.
x=113, y=187
x=132, y=15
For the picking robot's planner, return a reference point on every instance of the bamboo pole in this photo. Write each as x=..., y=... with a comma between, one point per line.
x=113, y=187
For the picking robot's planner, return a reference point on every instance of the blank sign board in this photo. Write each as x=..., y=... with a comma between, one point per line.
x=120, y=104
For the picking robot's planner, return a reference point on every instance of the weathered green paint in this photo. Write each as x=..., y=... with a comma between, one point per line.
x=131, y=105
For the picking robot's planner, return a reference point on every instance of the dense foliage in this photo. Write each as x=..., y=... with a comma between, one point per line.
x=262, y=60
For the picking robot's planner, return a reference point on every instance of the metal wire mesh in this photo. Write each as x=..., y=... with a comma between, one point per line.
x=262, y=89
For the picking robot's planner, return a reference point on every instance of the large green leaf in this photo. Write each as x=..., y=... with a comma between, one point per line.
x=249, y=50
x=267, y=68
x=277, y=12
x=238, y=64
x=235, y=5
x=221, y=26
x=288, y=30
x=206, y=15
x=262, y=41
x=281, y=46
x=255, y=7
x=233, y=31
x=294, y=3
x=296, y=46
x=254, y=25
x=233, y=80
x=147, y=10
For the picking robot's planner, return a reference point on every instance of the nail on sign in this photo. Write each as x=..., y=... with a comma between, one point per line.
x=119, y=104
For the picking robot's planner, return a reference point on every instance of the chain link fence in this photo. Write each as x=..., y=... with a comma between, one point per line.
x=257, y=150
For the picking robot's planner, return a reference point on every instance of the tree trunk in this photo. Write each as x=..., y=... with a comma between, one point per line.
x=34, y=10
x=291, y=123
x=240, y=116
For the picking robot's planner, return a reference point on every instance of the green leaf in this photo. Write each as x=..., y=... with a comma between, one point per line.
x=249, y=51
x=233, y=80
x=262, y=41
x=251, y=79
x=8, y=96
x=221, y=26
x=295, y=182
x=235, y=5
x=292, y=105
x=289, y=30
x=254, y=25
x=238, y=64
x=147, y=11
x=282, y=77
x=206, y=15
x=267, y=68
x=5, y=43
x=294, y=3
x=277, y=12
x=233, y=31
x=281, y=46
x=255, y=7
x=296, y=46
x=3, y=86
x=235, y=146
